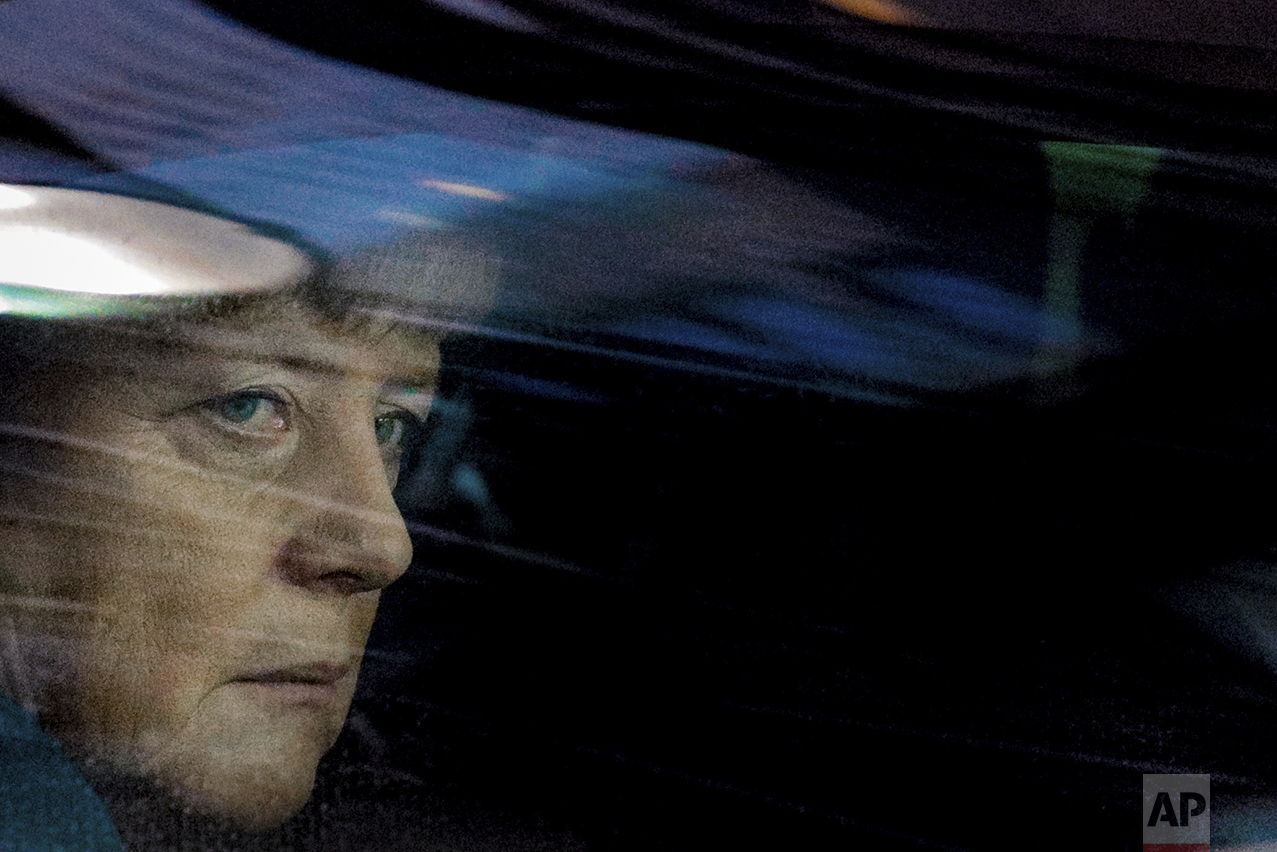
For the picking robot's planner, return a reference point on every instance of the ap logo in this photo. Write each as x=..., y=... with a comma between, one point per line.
x=1176, y=813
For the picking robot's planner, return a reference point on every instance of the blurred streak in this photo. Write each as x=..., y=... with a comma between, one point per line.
x=1236, y=603
x=439, y=274
x=139, y=81
x=614, y=240
x=415, y=221
x=54, y=304
x=469, y=483
x=1181, y=23
x=881, y=11
x=491, y=12
x=145, y=82
x=999, y=745
x=687, y=363
x=13, y=470
x=1089, y=183
x=463, y=189
x=349, y=193
x=1097, y=180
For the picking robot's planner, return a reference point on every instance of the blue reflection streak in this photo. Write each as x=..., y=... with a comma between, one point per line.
x=346, y=193
x=933, y=330
x=338, y=154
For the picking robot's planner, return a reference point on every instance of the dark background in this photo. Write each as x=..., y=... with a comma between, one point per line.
x=733, y=613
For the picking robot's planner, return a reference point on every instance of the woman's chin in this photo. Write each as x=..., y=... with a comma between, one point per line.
x=239, y=758
x=260, y=805
x=150, y=816
x=250, y=797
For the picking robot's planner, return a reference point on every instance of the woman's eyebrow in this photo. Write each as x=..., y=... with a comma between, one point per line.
x=415, y=396
x=411, y=377
x=423, y=385
x=303, y=363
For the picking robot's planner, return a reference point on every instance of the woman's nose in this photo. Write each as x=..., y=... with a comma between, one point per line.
x=351, y=537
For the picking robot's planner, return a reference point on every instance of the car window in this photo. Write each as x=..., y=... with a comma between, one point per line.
x=797, y=425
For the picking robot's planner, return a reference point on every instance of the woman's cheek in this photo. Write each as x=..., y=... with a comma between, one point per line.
x=199, y=444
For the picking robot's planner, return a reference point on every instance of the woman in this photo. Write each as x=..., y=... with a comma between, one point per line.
x=198, y=521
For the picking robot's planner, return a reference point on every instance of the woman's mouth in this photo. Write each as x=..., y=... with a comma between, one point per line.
x=306, y=683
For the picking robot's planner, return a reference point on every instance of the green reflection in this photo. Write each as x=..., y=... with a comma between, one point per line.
x=1089, y=183
x=37, y=302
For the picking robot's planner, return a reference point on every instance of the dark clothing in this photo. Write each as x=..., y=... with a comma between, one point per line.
x=45, y=803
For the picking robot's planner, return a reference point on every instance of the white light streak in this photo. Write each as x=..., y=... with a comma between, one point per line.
x=12, y=198
x=34, y=257
x=464, y=189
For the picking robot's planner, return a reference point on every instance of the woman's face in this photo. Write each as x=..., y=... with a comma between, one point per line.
x=202, y=547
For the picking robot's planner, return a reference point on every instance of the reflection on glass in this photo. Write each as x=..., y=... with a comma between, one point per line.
x=90, y=244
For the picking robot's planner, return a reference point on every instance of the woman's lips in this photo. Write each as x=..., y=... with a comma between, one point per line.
x=306, y=683
x=319, y=674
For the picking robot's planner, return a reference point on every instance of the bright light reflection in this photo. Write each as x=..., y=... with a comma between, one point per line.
x=14, y=199
x=463, y=189
x=32, y=257
x=882, y=11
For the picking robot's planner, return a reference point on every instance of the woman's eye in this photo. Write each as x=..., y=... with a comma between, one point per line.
x=395, y=433
x=392, y=430
x=389, y=430
x=250, y=412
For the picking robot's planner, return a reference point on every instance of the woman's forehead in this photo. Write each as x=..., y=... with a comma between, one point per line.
x=191, y=354
x=299, y=338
